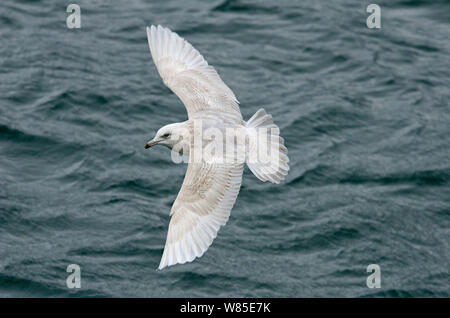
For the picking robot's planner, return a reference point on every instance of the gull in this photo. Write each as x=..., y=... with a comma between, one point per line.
x=210, y=186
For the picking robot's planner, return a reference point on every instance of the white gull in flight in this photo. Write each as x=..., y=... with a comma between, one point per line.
x=211, y=185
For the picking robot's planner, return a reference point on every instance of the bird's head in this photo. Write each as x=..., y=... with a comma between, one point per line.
x=169, y=136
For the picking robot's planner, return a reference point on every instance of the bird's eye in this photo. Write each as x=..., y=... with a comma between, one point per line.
x=166, y=135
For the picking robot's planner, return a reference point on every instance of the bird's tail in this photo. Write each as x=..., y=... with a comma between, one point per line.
x=267, y=156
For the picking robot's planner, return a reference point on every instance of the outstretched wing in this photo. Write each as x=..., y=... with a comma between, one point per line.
x=203, y=205
x=185, y=71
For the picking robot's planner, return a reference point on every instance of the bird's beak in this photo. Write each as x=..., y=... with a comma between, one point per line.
x=151, y=143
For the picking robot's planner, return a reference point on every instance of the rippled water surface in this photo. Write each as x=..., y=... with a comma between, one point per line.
x=364, y=112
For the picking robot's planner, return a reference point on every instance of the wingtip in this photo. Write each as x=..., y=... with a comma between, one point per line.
x=151, y=27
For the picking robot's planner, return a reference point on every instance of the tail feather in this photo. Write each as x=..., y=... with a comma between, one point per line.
x=267, y=157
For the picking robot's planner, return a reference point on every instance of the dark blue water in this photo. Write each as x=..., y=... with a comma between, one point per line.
x=364, y=112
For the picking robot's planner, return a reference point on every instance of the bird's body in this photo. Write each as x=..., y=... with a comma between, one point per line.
x=217, y=141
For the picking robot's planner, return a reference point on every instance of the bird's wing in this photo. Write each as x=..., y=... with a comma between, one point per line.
x=185, y=71
x=203, y=205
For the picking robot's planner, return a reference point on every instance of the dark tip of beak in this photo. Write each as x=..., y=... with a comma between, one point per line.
x=150, y=144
